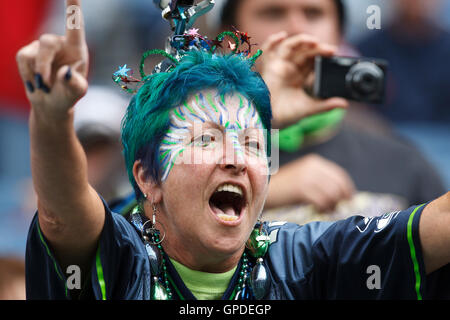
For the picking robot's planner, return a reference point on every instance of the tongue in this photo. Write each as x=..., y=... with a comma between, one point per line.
x=225, y=212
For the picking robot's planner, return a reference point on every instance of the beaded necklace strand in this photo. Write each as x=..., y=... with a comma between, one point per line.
x=253, y=282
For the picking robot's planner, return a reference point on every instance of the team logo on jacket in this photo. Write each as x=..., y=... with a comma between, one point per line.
x=381, y=222
x=273, y=235
x=384, y=220
x=365, y=224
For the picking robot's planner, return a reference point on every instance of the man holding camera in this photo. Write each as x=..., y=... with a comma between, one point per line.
x=339, y=158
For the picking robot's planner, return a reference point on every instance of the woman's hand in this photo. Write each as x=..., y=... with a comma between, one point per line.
x=287, y=67
x=54, y=68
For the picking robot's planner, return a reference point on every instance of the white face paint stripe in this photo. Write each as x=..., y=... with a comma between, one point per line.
x=200, y=112
x=168, y=164
x=233, y=135
x=225, y=114
x=204, y=110
x=179, y=123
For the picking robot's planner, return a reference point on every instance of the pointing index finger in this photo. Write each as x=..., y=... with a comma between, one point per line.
x=74, y=22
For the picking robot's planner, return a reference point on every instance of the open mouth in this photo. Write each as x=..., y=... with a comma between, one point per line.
x=227, y=202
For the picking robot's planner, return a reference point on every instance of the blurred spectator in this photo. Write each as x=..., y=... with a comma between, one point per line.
x=418, y=99
x=97, y=122
x=388, y=173
x=417, y=49
x=12, y=279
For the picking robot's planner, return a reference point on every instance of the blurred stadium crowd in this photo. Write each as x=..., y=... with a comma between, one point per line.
x=410, y=130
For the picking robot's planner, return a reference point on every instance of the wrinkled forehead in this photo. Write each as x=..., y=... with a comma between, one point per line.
x=230, y=111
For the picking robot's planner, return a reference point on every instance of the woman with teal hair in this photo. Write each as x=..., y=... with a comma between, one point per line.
x=228, y=74
x=196, y=147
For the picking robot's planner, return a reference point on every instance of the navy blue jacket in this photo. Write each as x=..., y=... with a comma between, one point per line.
x=356, y=258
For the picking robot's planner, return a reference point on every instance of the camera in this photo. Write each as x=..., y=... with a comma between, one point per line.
x=358, y=79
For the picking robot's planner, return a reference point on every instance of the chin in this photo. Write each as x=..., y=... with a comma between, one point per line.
x=227, y=244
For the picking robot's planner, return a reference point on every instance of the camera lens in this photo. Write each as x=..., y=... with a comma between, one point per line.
x=364, y=79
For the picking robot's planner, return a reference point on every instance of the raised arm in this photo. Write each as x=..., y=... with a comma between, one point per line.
x=54, y=70
x=434, y=230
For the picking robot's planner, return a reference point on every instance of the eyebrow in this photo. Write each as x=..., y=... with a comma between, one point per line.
x=223, y=128
x=214, y=124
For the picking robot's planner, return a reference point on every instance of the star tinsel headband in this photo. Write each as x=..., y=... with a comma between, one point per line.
x=190, y=40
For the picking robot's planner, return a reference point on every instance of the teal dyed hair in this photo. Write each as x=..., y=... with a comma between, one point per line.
x=147, y=118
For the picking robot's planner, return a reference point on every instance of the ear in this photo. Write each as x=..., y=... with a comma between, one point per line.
x=146, y=184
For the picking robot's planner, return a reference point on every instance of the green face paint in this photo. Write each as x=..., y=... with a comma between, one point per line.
x=188, y=122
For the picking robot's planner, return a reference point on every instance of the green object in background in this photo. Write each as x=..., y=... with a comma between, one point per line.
x=291, y=138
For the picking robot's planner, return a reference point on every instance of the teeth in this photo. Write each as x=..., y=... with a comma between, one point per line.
x=226, y=217
x=230, y=188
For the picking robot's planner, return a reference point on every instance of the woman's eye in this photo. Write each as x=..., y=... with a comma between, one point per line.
x=253, y=145
x=204, y=140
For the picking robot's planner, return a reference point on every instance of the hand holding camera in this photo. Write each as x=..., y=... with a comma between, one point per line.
x=287, y=67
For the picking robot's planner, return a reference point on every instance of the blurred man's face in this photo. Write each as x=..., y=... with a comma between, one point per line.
x=261, y=18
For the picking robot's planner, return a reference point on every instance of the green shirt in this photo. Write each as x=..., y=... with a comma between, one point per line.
x=204, y=285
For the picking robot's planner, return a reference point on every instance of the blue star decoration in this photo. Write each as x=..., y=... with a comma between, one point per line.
x=123, y=71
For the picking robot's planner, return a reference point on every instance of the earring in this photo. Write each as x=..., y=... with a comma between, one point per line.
x=152, y=234
x=258, y=244
x=152, y=240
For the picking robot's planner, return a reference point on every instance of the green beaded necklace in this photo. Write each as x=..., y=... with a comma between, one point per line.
x=162, y=291
x=253, y=282
x=158, y=294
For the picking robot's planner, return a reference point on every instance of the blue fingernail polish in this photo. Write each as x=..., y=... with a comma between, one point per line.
x=45, y=89
x=38, y=80
x=40, y=83
x=68, y=75
x=30, y=86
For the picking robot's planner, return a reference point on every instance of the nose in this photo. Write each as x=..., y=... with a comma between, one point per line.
x=295, y=23
x=234, y=168
x=233, y=159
